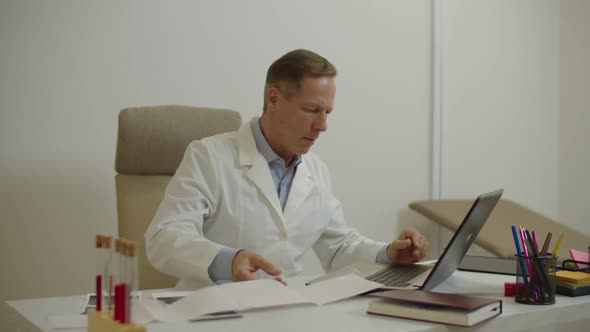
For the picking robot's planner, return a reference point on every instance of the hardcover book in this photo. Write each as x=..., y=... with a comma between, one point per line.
x=453, y=309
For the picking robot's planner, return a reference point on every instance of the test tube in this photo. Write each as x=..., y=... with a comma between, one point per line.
x=126, y=287
x=134, y=267
x=116, y=271
x=118, y=280
x=99, y=271
x=134, y=275
x=107, y=283
x=122, y=284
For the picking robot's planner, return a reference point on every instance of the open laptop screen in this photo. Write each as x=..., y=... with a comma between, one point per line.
x=463, y=238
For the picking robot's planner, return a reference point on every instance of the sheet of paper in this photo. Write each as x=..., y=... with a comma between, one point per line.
x=265, y=293
x=337, y=289
x=349, y=269
x=74, y=321
x=90, y=302
x=140, y=314
x=170, y=297
x=237, y=296
x=262, y=293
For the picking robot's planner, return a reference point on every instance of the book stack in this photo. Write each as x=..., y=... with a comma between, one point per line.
x=572, y=283
x=453, y=309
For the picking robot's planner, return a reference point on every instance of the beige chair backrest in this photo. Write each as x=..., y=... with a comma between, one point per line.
x=151, y=143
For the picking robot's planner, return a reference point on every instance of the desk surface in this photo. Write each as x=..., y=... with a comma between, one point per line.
x=568, y=314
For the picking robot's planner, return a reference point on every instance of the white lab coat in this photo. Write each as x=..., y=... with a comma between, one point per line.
x=223, y=195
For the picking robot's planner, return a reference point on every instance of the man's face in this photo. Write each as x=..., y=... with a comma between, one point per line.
x=298, y=121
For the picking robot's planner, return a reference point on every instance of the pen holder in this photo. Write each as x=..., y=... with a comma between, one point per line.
x=535, y=279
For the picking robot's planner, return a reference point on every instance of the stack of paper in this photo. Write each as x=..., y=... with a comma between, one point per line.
x=240, y=296
x=572, y=283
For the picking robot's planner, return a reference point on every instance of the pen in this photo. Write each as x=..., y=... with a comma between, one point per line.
x=519, y=253
x=535, y=240
x=538, y=268
x=522, y=238
x=557, y=245
x=546, y=244
x=525, y=251
x=531, y=289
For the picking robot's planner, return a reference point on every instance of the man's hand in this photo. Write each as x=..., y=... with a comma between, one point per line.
x=409, y=247
x=246, y=263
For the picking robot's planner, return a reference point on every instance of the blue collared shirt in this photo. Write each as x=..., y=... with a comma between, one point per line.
x=282, y=176
x=220, y=268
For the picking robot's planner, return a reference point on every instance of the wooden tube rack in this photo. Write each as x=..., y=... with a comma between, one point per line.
x=102, y=321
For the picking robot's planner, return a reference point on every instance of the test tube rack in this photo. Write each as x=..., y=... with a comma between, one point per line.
x=103, y=321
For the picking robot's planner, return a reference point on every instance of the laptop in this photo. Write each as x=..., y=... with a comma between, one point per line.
x=428, y=276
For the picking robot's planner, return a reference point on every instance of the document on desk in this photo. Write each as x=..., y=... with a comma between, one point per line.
x=240, y=296
x=71, y=321
x=338, y=288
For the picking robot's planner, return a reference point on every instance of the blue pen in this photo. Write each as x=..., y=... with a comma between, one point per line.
x=519, y=253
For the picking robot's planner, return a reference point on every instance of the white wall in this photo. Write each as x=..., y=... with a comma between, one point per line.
x=574, y=120
x=503, y=100
x=68, y=67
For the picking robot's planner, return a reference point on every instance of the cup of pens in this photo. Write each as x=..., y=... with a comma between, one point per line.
x=535, y=279
x=535, y=267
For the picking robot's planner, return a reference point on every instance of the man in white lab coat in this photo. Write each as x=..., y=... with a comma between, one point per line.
x=251, y=203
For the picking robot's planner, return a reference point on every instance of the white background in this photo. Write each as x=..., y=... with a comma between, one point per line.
x=516, y=102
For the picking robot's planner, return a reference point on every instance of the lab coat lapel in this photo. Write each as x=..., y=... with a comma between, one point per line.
x=259, y=172
x=301, y=188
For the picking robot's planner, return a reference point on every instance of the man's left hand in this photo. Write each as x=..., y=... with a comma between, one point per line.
x=409, y=247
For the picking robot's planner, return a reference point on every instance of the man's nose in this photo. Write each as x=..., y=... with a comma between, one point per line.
x=321, y=122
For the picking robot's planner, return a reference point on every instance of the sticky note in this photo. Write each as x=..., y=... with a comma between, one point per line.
x=581, y=256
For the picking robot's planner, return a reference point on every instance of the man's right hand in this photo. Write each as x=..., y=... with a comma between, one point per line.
x=246, y=263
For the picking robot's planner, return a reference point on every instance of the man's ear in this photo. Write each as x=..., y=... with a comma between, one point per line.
x=272, y=98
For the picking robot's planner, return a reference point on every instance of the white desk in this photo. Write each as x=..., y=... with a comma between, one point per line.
x=567, y=315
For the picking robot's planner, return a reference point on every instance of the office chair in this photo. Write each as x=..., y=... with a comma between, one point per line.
x=150, y=146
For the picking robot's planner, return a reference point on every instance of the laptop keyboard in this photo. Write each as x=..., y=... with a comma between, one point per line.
x=398, y=275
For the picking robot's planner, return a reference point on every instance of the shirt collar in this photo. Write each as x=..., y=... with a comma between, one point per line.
x=264, y=147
